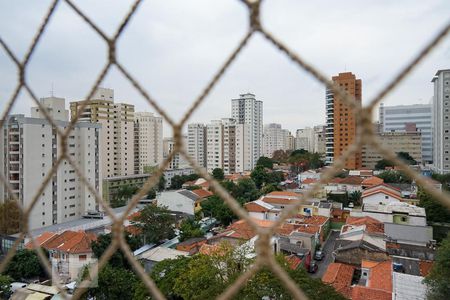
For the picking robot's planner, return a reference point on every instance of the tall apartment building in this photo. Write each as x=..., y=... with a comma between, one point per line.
x=148, y=141
x=410, y=142
x=274, y=138
x=247, y=110
x=319, y=139
x=214, y=145
x=441, y=121
x=341, y=121
x=396, y=118
x=117, y=138
x=178, y=161
x=290, y=140
x=196, y=143
x=304, y=139
x=31, y=146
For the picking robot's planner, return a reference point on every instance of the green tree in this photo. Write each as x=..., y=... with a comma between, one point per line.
x=156, y=223
x=438, y=281
x=118, y=259
x=217, y=208
x=177, y=181
x=355, y=197
x=247, y=190
x=5, y=286
x=25, y=265
x=394, y=176
x=190, y=229
x=270, y=188
x=435, y=211
x=161, y=183
x=124, y=193
x=218, y=174
x=265, y=162
x=10, y=217
x=114, y=283
x=259, y=176
x=151, y=194
x=383, y=164
x=407, y=158
x=281, y=156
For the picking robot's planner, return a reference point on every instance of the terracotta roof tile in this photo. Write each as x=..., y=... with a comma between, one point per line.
x=278, y=200
x=425, y=267
x=44, y=237
x=283, y=193
x=373, y=180
x=202, y=193
x=253, y=207
x=293, y=261
x=309, y=181
x=365, y=293
x=381, y=276
x=393, y=194
x=372, y=225
x=354, y=180
x=71, y=242
x=340, y=277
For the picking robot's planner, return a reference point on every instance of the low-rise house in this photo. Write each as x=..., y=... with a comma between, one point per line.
x=169, y=174
x=381, y=194
x=371, y=181
x=407, y=287
x=375, y=281
x=154, y=255
x=200, y=182
x=184, y=201
x=359, y=239
x=348, y=184
x=192, y=245
x=409, y=234
x=340, y=277
x=238, y=232
x=68, y=251
x=309, y=174
x=396, y=212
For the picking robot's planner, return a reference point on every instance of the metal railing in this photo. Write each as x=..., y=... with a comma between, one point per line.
x=365, y=135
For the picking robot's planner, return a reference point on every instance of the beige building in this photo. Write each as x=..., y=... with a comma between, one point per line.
x=196, y=143
x=274, y=138
x=410, y=142
x=148, y=141
x=178, y=161
x=31, y=147
x=117, y=138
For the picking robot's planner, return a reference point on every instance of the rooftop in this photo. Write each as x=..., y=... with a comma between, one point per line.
x=395, y=207
x=68, y=241
x=340, y=277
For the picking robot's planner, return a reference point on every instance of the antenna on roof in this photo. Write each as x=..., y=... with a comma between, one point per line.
x=52, y=91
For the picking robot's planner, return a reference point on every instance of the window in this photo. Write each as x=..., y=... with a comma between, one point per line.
x=82, y=257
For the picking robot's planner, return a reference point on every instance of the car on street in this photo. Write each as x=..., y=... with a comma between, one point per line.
x=313, y=267
x=319, y=255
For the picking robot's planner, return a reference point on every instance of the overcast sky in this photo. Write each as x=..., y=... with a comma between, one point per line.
x=174, y=47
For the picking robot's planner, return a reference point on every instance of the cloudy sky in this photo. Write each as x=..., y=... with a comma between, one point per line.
x=174, y=47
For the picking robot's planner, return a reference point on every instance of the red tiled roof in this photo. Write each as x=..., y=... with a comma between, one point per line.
x=381, y=276
x=284, y=193
x=279, y=200
x=384, y=185
x=365, y=293
x=340, y=277
x=253, y=207
x=336, y=180
x=395, y=195
x=354, y=180
x=372, y=225
x=241, y=230
x=425, y=267
x=309, y=181
x=71, y=242
x=370, y=181
x=308, y=228
x=45, y=236
x=202, y=193
x=293, y=261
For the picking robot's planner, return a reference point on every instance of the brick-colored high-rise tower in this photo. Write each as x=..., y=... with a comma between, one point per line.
x=341, y=121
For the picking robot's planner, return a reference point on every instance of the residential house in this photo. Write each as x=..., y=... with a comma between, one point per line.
x=238, y=232
x=68, y=251
x=382, y=194
x=340, y=276
x=200, y=182
x=184, y=201
x=348, y=184
x=395, y=212
x=361, y=173
x=407, y=287
x=371, y=181
x=154, y=255
x=192, y=245
x=375, y=281
x=309, y=174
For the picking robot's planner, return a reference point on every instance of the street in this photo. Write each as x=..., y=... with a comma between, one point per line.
x=328, y=249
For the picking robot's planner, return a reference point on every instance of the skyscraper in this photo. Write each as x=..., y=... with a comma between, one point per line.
x=148, y=141
x=341, y=121
x=214, y=145
x=32, y=146
x=274, y=138
x=247, y=110
x=196, y=143
x=178, y=161
x=117, y=139
x=441, y=121
x=396, y=118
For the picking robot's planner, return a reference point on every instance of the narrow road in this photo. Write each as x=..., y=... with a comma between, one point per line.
x=328, y=248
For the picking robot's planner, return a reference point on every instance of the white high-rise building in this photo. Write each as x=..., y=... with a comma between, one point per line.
x=247, y=110
x=214, y=145
x=441, y=122
x=396, y=118
x=305, y=139
x=117, y=139
x=148, y=141
x=274, y=138
x=196, y=143
x=31, y=147
x=319, y=139
x=178, y=161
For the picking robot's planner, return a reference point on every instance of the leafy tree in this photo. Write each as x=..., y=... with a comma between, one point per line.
x=394, y=176
x=341, y=198
x=156, y=223
x=302, y=160
x=193, y=187
x=161, y=183
x=151, y=194
x=118, y=259
x=355, y=197
x=126, y=191
x=10, y=217
x=246, y=190
x=438, y=281
x=218, y=174
x=270, y=188
x=383, y=164
x=259, y=176
x=25, y=265
x=217, y=208
x=281, y=156
x=190, y=229
x=265, y=162
x=435, y=211
x=5, y=286
x=407, y=158
x=178, y=180
x=114, y=283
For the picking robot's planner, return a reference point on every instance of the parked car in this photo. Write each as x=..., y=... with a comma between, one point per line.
x=319, y=255
x=313, y=267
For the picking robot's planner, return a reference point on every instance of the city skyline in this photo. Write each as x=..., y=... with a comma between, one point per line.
x=294, y=97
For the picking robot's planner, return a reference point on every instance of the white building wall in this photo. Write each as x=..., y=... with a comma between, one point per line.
x=305, y=139
x=243, y=152
x=274, y=138
x=379, y=198
x=196, y=143
x=175, y=202
x=214, y=145
x=149, y=140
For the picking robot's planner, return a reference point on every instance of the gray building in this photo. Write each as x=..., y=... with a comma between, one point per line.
x=441, y=122
x=397, y=118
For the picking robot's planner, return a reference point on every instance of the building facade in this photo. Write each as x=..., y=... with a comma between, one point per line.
x=178, y=161
x=441, y=122
x=117, y=138
x=319, y=139
x=341, y=120
x=274, y=138
x=214, y=145
x=396, y=118
x=31, y=147
x=305, y=139
x=247, y=110
x=148, y=141
x=196, y=143
x=410, y=142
